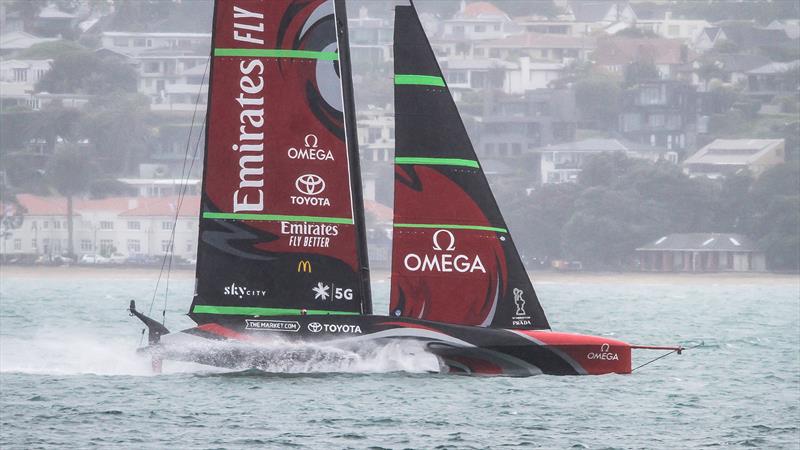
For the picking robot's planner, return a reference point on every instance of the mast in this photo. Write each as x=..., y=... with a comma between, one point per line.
x=453, y=259
x=281, y=225
x=345, y=68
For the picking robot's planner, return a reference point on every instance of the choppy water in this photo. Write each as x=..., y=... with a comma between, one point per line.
x=69, y=378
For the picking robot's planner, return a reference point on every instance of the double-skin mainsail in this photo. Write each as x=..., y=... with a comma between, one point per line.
x=453, y=259
x=281, y=226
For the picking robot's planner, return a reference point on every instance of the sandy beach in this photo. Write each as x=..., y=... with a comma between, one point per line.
x=47, y=272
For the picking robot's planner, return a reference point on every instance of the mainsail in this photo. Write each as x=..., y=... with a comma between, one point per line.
x=281, y=229
x=453, y=259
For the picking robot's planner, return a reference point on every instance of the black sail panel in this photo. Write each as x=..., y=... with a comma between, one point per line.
x=281, y=225
x=453, y=259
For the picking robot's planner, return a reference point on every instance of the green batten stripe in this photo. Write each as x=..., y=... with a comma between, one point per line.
x=424, y=80
x=255, y=311
x=450, y=226
x=437, y=161
x=276, y=53
x=276, y=218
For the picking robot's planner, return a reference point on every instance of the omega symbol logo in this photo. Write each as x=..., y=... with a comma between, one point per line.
x=315, y=327
x=309, y=184
x=311, y=138
x=604, y=348
x=437, y=245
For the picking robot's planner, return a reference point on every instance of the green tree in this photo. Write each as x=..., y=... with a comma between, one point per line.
x=731, y=212
x=606, y=169
x=70, y=173
x=640, y=71
x=542, y=217
x=50, y=50
x=118, y=130
x=609, y=224
x=626, y=202
x=774, y=215
x=598, y=98
x=721, y=98
x=28, y=10
x=710, y=70
x=84, y=72
x=687, y=203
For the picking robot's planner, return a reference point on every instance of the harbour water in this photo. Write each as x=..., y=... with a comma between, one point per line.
x=70, y=378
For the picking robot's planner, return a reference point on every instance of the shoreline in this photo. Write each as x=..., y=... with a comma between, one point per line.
x=765, y=278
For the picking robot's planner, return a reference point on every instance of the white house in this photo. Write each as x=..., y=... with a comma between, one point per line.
x=126, y=225
x=669, y=27
x=477, y=21
x=170, y=65
x=18, y=77
x=537, y=46
x=563, y=163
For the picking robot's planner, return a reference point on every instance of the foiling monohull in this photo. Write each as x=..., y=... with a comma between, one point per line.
x=282, y=250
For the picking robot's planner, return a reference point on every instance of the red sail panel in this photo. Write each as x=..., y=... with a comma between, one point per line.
x=277, y=234
x=453, y=269
x=453, y=259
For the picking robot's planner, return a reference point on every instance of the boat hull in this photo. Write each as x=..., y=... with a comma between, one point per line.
x=247, y=343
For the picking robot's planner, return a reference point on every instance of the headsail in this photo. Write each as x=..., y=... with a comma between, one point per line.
x=281, y=227
x=453, y=259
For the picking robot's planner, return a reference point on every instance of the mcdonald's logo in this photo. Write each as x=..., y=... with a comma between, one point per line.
x=304, y=266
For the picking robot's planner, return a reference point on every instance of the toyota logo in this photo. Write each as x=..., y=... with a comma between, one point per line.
x=315, y=327
x=309, y=184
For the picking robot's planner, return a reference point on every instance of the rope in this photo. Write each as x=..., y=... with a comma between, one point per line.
x=679, y=350
x=166, y=262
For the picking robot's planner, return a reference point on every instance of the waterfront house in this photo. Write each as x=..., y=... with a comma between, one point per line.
x=701, y=252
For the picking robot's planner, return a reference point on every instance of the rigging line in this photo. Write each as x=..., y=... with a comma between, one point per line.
x=181, y=197
x=171, y=246
x=182, y=193
x=654, y=360
x=679, y=350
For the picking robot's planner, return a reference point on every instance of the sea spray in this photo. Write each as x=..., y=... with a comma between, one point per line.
x=75, y=352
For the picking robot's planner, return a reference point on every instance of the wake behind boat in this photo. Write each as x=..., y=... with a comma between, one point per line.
x=282, y=251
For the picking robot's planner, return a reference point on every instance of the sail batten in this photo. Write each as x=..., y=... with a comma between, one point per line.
x=419, y=80
x=453, y=259
x=277, y=218
x=437, y=161
x=276, y=53
x=256, y=311
x=451, y=226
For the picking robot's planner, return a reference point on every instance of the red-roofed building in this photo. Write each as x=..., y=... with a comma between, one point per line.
x=124, y=225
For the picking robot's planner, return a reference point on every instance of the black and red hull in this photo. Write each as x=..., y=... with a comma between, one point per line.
x=240, y=344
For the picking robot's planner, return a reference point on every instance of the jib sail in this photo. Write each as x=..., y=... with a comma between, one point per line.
x=281, y=227
x=453, y=259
